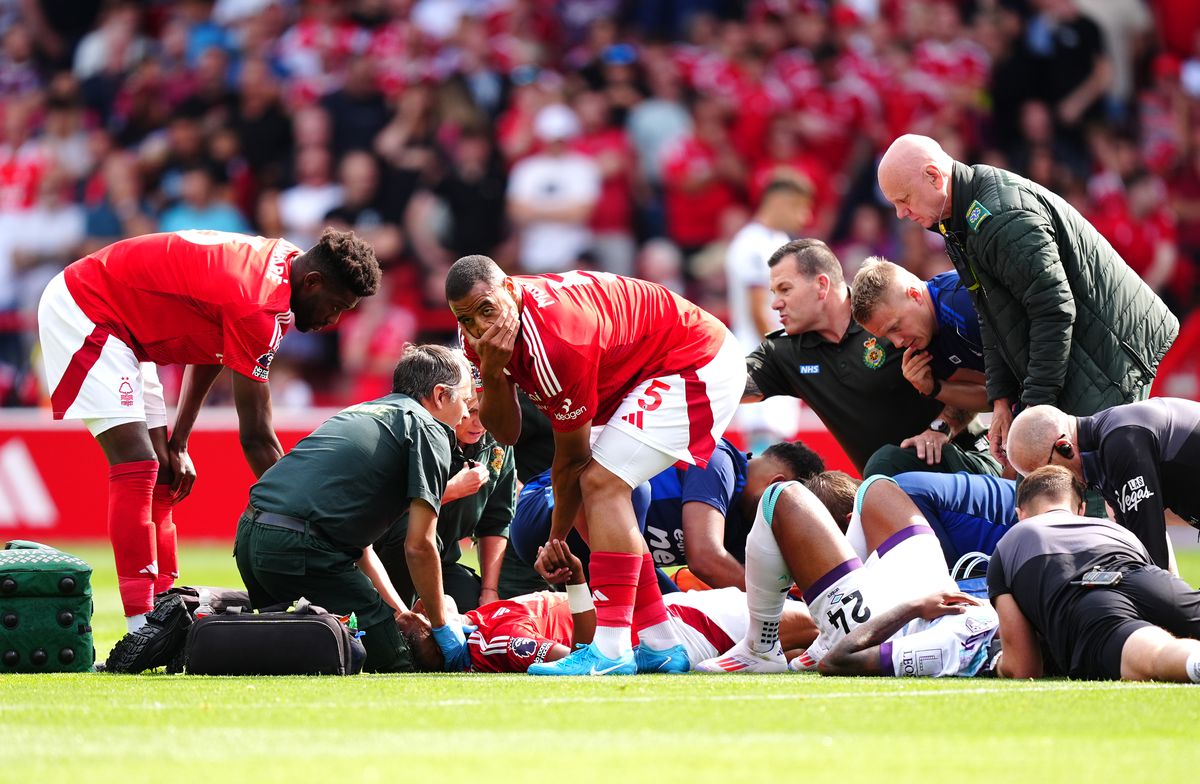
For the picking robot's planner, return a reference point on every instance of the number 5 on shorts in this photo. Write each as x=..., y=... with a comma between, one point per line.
x=652, y=397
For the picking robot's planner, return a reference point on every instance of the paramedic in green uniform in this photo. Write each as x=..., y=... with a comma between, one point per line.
x=478, y=502
x=314, y=515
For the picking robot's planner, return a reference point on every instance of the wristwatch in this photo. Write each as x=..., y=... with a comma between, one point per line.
x=939, y=425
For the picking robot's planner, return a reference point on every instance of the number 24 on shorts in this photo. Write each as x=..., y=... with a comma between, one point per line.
x=859, y=614
x=651, y=399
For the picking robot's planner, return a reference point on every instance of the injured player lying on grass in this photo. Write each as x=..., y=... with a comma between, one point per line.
x=523, y=633
x=896, y=613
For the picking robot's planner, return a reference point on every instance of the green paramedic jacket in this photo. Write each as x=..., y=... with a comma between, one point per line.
x=1065, y=321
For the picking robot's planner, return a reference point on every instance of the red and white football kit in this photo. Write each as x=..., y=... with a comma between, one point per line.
x=188, y=297
x=628, y=354
x=514, y=633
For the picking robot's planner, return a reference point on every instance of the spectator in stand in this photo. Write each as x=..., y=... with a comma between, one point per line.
x=1071, y=70
x=407, y=145
x=44, y=239
x=357, y=110
x=115, y=46
x=360, y=210
x=63, y=137
x=551, y=196
x=464, y=209
x=612, y=219
x=303, y=207
x=204, y=203
x=701, y=178
x=263, y=126
x=18, y=76
x=119, y=208
x=1142, y=232
x=784, y=159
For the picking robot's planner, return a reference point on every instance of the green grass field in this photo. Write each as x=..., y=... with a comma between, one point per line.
x=694, y=728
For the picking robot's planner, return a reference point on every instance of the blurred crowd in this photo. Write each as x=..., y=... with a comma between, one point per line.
x=629, y=136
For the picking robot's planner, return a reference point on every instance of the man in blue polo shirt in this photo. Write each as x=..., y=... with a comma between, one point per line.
x=935, y=324
x=695, y=516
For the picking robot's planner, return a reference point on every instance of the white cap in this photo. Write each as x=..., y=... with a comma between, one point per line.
x=556, y=122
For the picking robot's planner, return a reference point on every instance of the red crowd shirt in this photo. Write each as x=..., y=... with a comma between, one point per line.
x=693, y=217
x=588, y=338
x=191, y=297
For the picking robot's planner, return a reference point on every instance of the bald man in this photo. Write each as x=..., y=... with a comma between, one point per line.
x=1143, y=457
x=1064, y=320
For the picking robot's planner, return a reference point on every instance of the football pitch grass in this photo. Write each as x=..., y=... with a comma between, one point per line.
x=681, y=729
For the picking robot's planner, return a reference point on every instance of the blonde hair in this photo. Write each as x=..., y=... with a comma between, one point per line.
x=873, y=283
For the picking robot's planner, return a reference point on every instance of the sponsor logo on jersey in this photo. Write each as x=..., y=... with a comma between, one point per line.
x=809, y=370
x=263, y=364
x=125, y=392
x=566, y=414
x=1133, y=493
x=955, y=358
x=873, y=354
x=523, y=647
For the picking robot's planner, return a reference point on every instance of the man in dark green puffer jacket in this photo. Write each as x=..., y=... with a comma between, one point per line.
x=1064, y=320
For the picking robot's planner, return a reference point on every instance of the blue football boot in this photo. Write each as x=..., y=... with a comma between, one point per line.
x=587, y=660
x=671, y=660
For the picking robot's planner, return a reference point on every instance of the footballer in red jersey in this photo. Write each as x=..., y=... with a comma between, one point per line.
x=633, y=379
x=204, y=299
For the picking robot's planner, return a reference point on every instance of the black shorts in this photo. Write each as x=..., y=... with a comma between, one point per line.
x=1103, y=618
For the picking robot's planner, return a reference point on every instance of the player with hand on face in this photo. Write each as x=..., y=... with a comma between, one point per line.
x=662, y=376
x=205, y=299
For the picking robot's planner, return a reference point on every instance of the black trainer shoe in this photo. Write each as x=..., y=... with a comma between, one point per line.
x=156, y=643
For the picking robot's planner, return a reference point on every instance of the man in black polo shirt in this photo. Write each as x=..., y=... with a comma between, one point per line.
x=314, y=515
x=1142, y=457
x=1084, y=591
x=850, y=378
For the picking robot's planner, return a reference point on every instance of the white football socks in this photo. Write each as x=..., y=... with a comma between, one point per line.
x=135, y=622
x=613, y=641
x=660, y=636
x=767, y=583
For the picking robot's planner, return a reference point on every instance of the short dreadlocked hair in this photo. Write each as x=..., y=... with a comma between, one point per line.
x=342, y=257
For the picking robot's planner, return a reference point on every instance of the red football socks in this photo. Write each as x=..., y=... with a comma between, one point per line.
x=614, y=586
x=648, y=607
x=130, y=490
x=164, y=529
